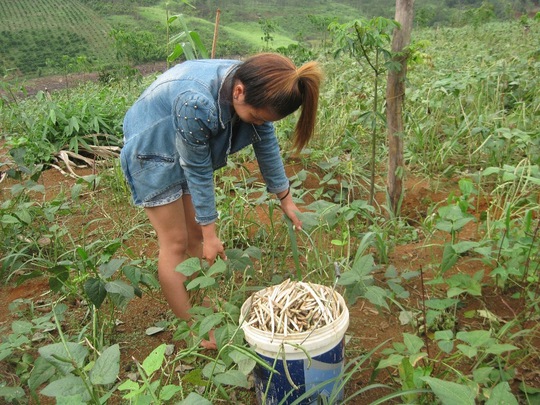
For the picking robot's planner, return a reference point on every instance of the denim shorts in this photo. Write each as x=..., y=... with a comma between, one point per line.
x=151, y=166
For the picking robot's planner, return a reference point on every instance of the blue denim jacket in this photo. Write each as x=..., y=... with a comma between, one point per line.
x=191, y=102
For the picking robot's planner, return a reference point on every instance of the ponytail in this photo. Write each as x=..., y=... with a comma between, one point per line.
x=273, y=81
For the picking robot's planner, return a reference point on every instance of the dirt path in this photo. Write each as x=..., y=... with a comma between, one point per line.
x=60, y=82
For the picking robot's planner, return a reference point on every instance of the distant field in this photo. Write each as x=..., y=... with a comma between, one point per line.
x=35, y=34
x=252, y=34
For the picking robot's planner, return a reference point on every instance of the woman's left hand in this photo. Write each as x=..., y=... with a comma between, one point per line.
x=290, y=209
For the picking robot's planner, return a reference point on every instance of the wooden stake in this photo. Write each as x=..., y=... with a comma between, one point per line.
x=214, y=42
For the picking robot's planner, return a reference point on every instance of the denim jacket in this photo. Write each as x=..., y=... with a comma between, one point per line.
x=192, y=102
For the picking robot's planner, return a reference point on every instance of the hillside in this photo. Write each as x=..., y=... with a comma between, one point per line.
x=46, y=37
x=38, y=36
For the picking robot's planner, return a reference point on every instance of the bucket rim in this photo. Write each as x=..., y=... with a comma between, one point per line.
x=315, y=341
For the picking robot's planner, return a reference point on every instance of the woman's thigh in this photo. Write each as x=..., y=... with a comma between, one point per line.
x=169, y=222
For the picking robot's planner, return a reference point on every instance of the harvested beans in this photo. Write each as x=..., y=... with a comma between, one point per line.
x=293, y=307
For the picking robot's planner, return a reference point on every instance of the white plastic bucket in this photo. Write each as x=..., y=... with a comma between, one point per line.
x=312, y=361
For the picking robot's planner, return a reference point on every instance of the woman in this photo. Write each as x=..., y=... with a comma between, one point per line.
x=184, y=126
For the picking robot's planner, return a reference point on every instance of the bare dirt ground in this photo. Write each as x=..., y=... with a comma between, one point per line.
x=368, y=326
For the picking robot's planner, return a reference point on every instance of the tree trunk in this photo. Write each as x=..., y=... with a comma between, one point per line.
x=395, y=96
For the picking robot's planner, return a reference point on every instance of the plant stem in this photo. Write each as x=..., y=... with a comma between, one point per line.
x=426, y=339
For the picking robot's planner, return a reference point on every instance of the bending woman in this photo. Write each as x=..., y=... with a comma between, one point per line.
x=185, y=125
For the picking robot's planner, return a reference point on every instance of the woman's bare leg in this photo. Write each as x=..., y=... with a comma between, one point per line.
x=169, y=221
x=179, y=237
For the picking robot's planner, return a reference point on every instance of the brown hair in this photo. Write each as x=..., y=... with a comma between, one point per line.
x=273, y=81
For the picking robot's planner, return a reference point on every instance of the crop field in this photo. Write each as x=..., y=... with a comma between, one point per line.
x=34, y=34
x=442, y=292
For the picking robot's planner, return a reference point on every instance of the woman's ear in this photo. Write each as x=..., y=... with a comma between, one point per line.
x=238, y=91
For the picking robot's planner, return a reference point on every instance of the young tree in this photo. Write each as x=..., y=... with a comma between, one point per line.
x=268, y=27
x=367, y=41
x=395, y=95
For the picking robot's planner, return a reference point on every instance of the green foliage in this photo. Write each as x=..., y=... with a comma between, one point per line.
x=472, y=114
x=45, y=124
x=186, y=43
x=268, y=27
x=367, y=41
x=137, y=47
x=34, y=32
x=72, y=376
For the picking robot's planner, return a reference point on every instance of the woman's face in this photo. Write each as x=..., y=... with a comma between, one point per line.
x=248, y=113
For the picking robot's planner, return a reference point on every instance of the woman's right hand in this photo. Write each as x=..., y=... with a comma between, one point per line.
x=212, y=245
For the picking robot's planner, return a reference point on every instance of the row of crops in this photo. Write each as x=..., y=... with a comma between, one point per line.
x=34, y=33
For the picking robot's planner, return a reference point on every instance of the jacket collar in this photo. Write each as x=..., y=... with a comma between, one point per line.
x=225, y=110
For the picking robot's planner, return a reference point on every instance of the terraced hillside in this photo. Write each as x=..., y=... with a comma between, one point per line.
x=34, y=32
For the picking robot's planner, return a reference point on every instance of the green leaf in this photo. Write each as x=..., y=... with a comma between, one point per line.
x=195, y=377
x=475, y=338
x=482, y=375
x=451, y=393
x=464, y=246
x=363, y=265
x=11, y=393
x=70, y=400
x=176, y=53
x=201, y=283
x=9, y=219
x=446, y=345
x=441, y=304
x=5, y=353
x=132, y=273
x=189, y=267
x=153, y=330
x=129, y=385
x=501, y=395
x=450, y=257
x=21, y=327
x=468, y=351
x=168, y=391
x=63, y=359
x=210, y=322
x=107, y=366
x=500, y=348
x=444, y=335
x=149, y=280
x=153, y=362
x=199, y=45
x=68, y=386
x=24, y=216
x=413, y=343
x=120, y=287
x=392, y=361
x=245, y=363
x=376, y=295
x=95, y=290
x=195, y=399
x=42, y=372
x=60, y=274
x=232, y=377
x=217, y=268
x=108, y=269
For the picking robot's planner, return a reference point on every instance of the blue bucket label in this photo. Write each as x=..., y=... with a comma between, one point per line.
x=317, y=378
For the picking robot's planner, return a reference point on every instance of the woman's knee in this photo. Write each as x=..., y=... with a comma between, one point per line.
x=177, y=245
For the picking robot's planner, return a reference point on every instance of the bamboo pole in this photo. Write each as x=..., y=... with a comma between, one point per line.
x=214, y=42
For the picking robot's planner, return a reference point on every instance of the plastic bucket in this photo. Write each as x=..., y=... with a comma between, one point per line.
x=308, y=362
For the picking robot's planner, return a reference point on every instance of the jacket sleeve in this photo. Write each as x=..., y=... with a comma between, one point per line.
x=269, y=159
x=196, y=121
